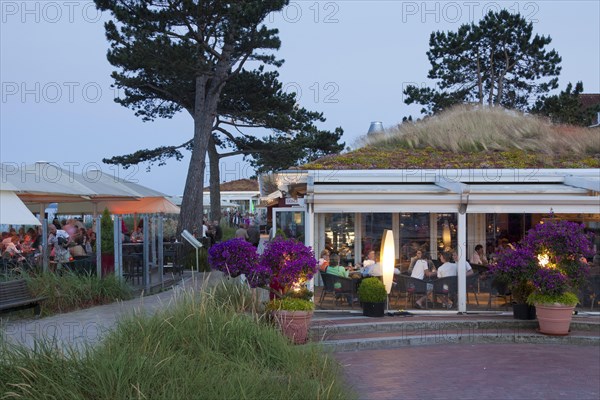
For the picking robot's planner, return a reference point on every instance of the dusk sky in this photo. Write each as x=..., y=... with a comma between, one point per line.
x=348, y=59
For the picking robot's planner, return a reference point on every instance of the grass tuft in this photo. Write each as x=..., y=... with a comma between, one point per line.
x=201, y=348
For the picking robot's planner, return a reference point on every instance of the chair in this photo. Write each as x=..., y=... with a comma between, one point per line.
x=400, y=287
x=473, y=285
x=416, y=287
x=170, y=256
x=446, y=287
x=495, y=288
x=132, y=267
x=328, y=287
x=347, y=289
x=593, y=291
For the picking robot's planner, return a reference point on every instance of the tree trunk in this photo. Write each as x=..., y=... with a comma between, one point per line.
x=205, y=111
x=215, y=184
x=479, y=78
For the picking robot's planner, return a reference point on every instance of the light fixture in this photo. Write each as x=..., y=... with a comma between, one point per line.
x=388, y=258
x=446, y=238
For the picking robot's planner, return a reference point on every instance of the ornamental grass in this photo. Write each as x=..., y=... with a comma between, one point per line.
x=200, y=348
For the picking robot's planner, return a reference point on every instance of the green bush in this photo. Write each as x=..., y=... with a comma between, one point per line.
x=290, y=304
x=178, y=353
x=372, y=290
x=69, y=291
x=106, y=233
x=568, y=298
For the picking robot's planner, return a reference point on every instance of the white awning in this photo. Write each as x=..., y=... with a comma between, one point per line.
x=13, y=211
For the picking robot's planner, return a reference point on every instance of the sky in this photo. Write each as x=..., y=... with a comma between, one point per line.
x=347, y=59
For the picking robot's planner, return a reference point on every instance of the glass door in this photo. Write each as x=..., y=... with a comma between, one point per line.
x=290, y=221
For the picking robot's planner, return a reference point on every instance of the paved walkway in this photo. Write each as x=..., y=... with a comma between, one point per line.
x=92, y=324
x=486, y=371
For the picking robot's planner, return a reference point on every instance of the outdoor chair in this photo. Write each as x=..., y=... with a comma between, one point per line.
x=473, y=286
x=445, y=287
x=328, y=287
x=416, y=287
x=591, y=292
x=133, y=267
x=495, y=288
x=400, y=288
x=346, y=289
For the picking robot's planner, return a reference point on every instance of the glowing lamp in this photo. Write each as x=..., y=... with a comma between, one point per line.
x=543, y=260
x=446, y=238
x=388, y=258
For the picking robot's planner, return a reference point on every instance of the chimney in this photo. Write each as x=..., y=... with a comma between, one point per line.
x=376, y=127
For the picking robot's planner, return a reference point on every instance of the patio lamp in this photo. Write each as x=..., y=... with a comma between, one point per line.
x=388, y=258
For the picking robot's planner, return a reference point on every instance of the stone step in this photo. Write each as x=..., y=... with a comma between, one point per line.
x=356, y=333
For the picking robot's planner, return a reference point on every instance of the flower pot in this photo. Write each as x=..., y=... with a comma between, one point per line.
x=373, y=309
x=554, y=319
x=523, y=311
x=294, y=324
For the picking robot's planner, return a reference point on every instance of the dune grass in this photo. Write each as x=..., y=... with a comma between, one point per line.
x=200, y=348
x=473, y=137
x=69, y=291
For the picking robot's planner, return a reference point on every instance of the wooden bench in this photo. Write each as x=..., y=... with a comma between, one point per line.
x=14, y=295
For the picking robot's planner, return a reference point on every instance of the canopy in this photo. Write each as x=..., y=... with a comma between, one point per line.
x=146, y=205
x=13, y=211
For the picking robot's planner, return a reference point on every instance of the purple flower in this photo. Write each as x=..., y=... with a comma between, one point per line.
x=563, y=242
x=233, y=257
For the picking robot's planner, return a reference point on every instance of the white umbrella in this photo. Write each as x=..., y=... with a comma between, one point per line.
x=13, y=211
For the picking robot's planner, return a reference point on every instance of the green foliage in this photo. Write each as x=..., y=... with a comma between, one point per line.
x=372, y=290
x=69, y=291
x=521, y=291
x=290, y=304
x=568, y=298
x=497, y=61
x=178, y=353
x=566, y=107
x=107, y=233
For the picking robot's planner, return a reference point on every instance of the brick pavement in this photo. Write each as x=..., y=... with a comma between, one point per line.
x=481, y=371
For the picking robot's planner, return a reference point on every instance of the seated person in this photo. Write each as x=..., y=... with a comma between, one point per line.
x=335, y=269
x=451, y=268
x=414, y=259
x=137, y=235
x=373, y=269
x=324, y=261
x=421, y=271
x=77, y=250
x=478, y=257
x=370, y=260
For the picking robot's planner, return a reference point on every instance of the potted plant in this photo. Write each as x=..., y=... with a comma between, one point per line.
x=284, y=268
x=107, y=243
x=548, y=259
x=372, y=296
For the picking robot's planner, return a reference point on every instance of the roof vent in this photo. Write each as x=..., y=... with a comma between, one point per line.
x=376, y=127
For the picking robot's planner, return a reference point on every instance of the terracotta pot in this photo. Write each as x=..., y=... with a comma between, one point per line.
x=554, y=319
x=294, y=324
x=523, y=311
x=373, y=309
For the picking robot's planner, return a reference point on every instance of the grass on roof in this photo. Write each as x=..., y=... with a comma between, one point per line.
x=473, y=137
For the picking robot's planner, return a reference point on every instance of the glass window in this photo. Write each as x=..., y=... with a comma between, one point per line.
x=373, y=225
x=447, y=225
x=339, y=236
x=414, y=234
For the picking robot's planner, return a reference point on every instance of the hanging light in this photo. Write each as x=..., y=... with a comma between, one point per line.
x=446, y=238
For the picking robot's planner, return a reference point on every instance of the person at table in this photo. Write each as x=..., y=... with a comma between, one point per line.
x=478, y=256
x=335, y=268
x=422, y=271
x=324, y=260
x=77, y=250
x=452, y=268
x=372, y=267
x=370, y=259
x=413, y=260
x=137, y=235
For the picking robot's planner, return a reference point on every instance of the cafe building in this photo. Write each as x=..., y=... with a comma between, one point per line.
x=430, y=209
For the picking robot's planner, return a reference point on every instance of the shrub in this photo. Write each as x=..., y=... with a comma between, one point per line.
x=106, y=234
x=372, y=290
